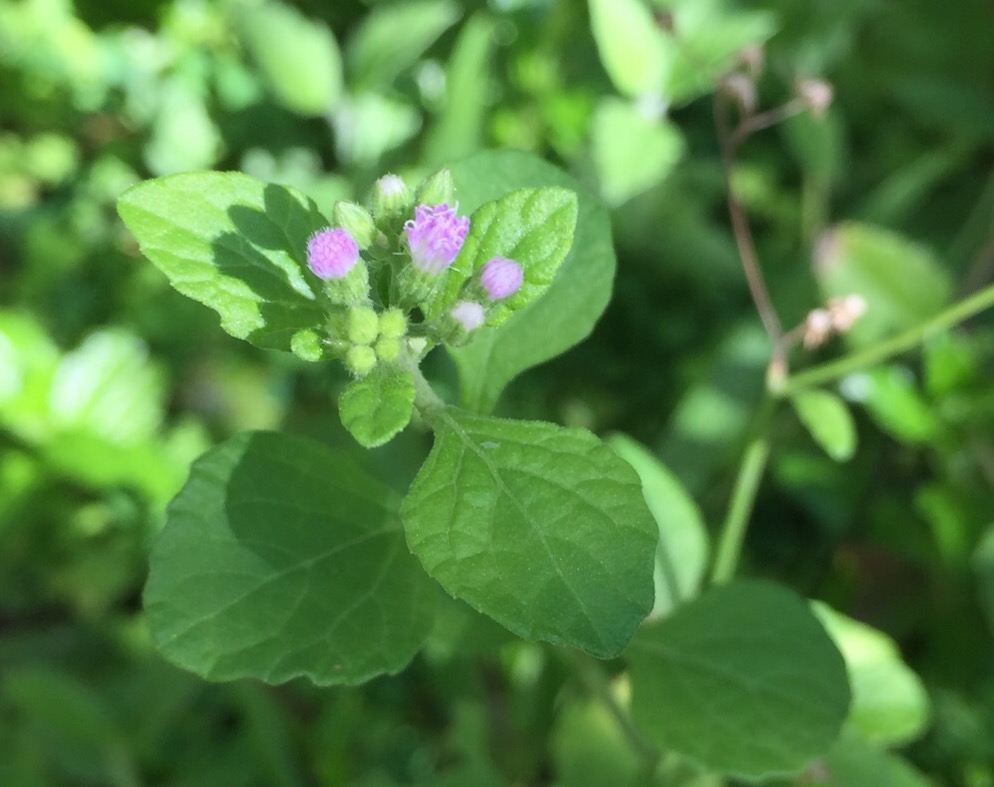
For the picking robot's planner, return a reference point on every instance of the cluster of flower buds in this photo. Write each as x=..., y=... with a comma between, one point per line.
x=838, y=316
x=383, y=268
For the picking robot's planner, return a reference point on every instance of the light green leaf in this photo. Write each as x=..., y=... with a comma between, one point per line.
x=298, y=57
x=367, y=125
x=541, y=527
x=902, y=282
x=743, y=679
x=629, y=43
x=828, y=421
x=534, y=227
x=378, y=406
x=889, y=703
x=280, y=559
x=682, y=553
x=893, y=400
x=561, y=318
x=632, y=151
x=853, y=762
x=183, y=137
x=391, y=38
x=235, y=244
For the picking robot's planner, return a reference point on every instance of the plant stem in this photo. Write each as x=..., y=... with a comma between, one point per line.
x=743, y=497
x=912, y=337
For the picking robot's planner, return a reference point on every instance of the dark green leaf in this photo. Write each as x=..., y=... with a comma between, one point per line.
x=541, y=527
x=280, y=558
x=378, y=406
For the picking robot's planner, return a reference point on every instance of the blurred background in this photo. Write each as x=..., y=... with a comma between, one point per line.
x=111, y=383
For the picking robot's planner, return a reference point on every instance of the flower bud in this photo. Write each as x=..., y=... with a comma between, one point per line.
x=360, y=360
x=437, y=189
x=331, y=253
x=387, y=349
x=393, y=324
x=306, y=345
x=817, y=328
x=843, y=312
x=816, y=94
x=501, y=278
x=468, y=314
x=364, y=325
x=742, y=90
x=390, y=197
x=357, y=221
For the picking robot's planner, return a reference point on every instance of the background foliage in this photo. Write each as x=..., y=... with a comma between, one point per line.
x=111, y=383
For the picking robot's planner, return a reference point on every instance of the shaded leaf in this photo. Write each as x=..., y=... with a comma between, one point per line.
x=378, y=406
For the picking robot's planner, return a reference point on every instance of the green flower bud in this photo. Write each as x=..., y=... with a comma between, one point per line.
x=357, y=221
x=306, y=345
x=391, y=197
x=364, y=325
x=437, y=189
x=350, y=290
x=387, y=349
x=360, y=360
x=393, y=324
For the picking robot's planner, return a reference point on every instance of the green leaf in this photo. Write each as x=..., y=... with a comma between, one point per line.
x=983, y=567
x=541, y=527
x=298, y=57
x=531, y=226
x=682, y=553
x=391, y=38
x=378, y=406
x=828, y=421
x=280, y=558
x=235, y=244
x=889, y=703
x=893, y=400
x=902, y=282
x=743, y=679
x=561, y=318
x=630, y=45
x=632, y=151
x=368, y=125
x=853, y=762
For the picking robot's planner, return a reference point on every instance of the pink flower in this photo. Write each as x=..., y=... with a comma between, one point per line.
x=331, y=253
x=435, y=235
x=501, y=277
x=468, y=314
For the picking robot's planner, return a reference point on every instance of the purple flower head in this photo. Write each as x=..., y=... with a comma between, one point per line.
x=435, y=235
x=501, y=277
x=331, y=254
x=468, y=314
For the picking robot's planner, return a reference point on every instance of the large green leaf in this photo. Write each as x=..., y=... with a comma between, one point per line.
x=298, y=57
x=233, y=243
x=889, y=703
x=743, y=679
x=682, y=554
x=541, y=527
x=280, y=558
x=561, y=318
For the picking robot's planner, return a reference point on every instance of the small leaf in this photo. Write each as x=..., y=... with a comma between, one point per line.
x=280, y=558
x=902, y=282
x=630, y=45
x=561, y=318
x=233, y=243
x=534, y=227
x=298, y=57
x=541, y=527
x=682, y=553
x=893, y=400
x=889, y=703
x=743, y=679
x=378, y=406
x=828, y=421
x=632, y=151
x=391, y=38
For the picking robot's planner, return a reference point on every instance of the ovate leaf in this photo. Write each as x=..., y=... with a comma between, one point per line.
x=682, y=554
x=743, y=679
x=280, y=558
x=889, y=703
x=233, y=243
x=298, y=57
x=567, y=312
x=828, y=421
x=378, y=406
x=541, y=527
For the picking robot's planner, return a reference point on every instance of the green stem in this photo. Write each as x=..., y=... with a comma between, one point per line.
x=743, y=498
x=911, y=338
